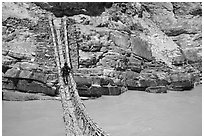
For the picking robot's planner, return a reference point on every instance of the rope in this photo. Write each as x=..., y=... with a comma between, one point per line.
x=77, y=121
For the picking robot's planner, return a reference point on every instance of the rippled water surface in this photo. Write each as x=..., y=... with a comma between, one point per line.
x=136, y=113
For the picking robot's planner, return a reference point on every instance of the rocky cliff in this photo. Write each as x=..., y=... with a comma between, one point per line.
x=133, y=45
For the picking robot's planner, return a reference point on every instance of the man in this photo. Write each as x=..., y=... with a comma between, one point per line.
x=65, y=72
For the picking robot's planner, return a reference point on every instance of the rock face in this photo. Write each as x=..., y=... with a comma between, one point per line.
x=118, y=45
x=182, y=23
x=28, y=61
x=27, y=81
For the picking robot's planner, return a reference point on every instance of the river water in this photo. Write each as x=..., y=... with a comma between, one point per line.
x=134, y=113
x=32, y=118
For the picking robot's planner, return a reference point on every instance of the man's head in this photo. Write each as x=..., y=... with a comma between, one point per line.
x=65, y=64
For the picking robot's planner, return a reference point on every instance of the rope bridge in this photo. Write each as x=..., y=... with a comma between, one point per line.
x=77, y=121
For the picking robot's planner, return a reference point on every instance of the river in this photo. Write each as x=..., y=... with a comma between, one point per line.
x=134, y=113
x=32, y=118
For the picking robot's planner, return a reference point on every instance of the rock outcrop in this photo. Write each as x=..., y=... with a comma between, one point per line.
x=123, y=45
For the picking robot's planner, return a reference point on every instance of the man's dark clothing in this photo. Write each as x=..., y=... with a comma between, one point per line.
x=65, y=73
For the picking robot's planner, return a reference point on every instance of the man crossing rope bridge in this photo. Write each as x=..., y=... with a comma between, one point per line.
x=65, y=72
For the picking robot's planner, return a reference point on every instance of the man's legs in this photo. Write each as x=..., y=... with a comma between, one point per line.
x=64, y=79
x=67, y=79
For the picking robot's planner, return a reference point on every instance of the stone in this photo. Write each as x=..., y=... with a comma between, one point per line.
x=178, y=61
x=118, y=82
x=19, y=56
x=80, y=81
x=83, y=91
x=192, y=55
x=114, y=90
x=157, y=89
x=120, y=39
x=29, y=66
x=132, y=84
x=141, y=48
x=34, y=87
x=111, y=90
x=39, y=76
x=96, y=81
x=8, y=84
x=96, y=90
x=8, y=61
x=181, y=81
x=87, y=59
x=181, y=85
x=147, y=83
x=106, y=81
x=12, y=73
x=25, y=74
x=135, y=68
x=184, y=8
x=108, y=72
x=4, y=52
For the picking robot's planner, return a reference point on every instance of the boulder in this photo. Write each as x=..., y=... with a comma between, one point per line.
x=81, y=81
x=111, y=90
x=161, y=13
x=120, y=39
x=118, y=82
x=96, y=91
x=84, y=91
x=141, y=48
x=29, y=66
x=87, y=59
x=96, y=80
x=134, y=64
x=192, y=55
x=34, y=87
x=109, y=60
x=39, y=76
x=107, y=81
x=12, y=73
x=181, y=81
x=91, y=46
x=19, y=56
x=25, y=74
x=8, y=84
x=130, y=79
x=144, y=83
x=109, y=72
x=185, y=8
x=8, y=61
x=157, y=89
x=181, y=85
x=135, y=68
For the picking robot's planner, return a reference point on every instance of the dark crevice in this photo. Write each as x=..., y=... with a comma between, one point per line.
x=60, y=9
